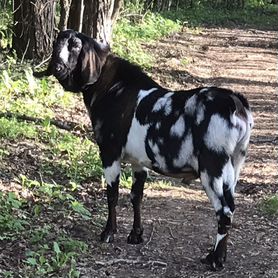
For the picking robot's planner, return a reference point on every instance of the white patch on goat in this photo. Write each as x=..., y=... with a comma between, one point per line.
x=228, y=174
x=164, y=103
x=135, y=149
x=178, y=127
x=204, y=90
x=227, y=211
x=190, y=106
x=143, y=93
x=185, y=153
x=219, y=237
x=112, y=172
x=220, y=137
x=205, y=180
x=200, y=113
x=64, y=54
x=160, y=140
x=159, y=159
x=158, y=125
x=218, y=186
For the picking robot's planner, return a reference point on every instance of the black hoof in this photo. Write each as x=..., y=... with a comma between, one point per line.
x=214, y=261
x=107, y=236
x=135, y=236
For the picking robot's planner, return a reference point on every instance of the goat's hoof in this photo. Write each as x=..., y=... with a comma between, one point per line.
x=135, y=236
x=107, y=236
x=214, y=261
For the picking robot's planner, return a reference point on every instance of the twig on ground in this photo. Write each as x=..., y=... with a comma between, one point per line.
x=128, y=261
x=171, y=233
x=270, y=140
x=41, y=63
x=150, y=239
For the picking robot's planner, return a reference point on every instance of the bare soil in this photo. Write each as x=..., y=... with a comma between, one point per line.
x=180, y=225
x=179, y=221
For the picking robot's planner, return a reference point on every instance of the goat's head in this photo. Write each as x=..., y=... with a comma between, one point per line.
x=76, y=60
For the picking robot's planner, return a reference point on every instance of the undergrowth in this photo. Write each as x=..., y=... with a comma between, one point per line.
x=131, y=32
x=251, y=16
x=270, y=205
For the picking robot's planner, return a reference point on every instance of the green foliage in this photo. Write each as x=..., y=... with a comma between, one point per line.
x=6, y=19
x=12, y=129
x=129, y=35
x=78, y=157
x=21, y=93
x=205, y=15
x=11, y=216
x=270, y=205
x=57, y=257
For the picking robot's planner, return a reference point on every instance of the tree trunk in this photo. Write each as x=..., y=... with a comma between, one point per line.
x=76, y=15
x=64, y=16
x=33, y=31
x=99, y=17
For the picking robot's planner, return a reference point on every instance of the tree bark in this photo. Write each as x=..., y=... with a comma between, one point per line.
x=76, y=15
x=99, y=18
x=64, y=16
x=33, y=31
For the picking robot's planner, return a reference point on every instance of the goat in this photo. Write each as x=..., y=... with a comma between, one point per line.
x=203, y=132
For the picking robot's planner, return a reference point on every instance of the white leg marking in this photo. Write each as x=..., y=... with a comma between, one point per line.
x=218, y=239
x=112, y=172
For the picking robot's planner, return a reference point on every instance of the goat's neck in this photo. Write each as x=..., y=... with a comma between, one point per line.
x=108, y=77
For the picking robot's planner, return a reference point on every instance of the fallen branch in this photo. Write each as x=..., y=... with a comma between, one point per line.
x=128, y=261
x=66, y=125
x=273, y=140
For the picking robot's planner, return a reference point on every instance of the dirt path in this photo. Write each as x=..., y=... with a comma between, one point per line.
x=179, y=221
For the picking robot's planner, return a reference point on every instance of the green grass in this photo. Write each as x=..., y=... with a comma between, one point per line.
x=270, y=205
x=129, y=34
x=261, y=18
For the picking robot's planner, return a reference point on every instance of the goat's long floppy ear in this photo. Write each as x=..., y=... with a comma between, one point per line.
x=92, y=56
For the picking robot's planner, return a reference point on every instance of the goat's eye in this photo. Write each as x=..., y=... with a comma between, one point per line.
x=58, y=68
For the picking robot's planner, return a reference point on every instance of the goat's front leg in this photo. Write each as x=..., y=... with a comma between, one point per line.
x=112, y=177
x=136, y=195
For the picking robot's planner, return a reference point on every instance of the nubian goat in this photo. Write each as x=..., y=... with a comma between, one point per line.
x=202, y=132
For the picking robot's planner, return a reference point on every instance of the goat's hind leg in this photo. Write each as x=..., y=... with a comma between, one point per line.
x=220, y=194
x=112, y=176
x=136, y=195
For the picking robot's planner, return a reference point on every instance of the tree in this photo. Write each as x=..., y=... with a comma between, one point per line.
x=33, y=31
x=95, y=18
x=64, y=16
x=100, y=25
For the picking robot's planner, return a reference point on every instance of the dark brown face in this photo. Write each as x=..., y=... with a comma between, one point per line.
x=76, y=60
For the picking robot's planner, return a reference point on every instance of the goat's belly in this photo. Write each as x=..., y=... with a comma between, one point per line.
x=164, y=154
x=134, y=151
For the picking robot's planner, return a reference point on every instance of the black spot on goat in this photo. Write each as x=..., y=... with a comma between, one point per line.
x=202, y=132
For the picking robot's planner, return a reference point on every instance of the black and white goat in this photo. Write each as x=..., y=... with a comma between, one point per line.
x=202, y=132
